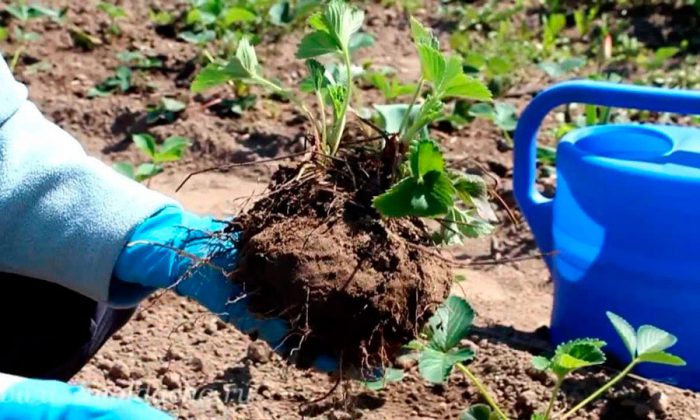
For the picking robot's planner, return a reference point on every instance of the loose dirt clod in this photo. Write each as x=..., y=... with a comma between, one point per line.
x=351, y=284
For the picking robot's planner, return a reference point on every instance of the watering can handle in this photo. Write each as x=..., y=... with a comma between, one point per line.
x=537, y=208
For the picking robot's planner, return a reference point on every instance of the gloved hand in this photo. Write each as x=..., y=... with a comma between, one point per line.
x=178, y=250
x=30, y=399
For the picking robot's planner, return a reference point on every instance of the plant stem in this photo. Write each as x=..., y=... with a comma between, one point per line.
x=290, y=95
x=416, y=94
x=340, y=127
x=322, y=111
x=15, y=58
x=601, y=390
x=482, y=389
x=553, y=398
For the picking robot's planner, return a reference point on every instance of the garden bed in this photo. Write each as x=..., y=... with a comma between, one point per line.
x=185, y=361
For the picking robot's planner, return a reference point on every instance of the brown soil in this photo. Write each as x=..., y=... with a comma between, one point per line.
x=316, y=253
x=183, y=360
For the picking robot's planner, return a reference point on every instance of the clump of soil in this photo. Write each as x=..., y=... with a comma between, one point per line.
x=316, y=253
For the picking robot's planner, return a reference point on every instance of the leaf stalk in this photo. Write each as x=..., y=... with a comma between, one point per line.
x=602, y=389
x=483, y=390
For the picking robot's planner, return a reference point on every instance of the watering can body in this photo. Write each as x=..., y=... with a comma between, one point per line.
x=622, y=233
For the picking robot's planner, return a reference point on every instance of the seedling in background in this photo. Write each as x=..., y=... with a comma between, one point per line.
x=138, y=60
x=503, y=114
x=165, y=112
x=121, y=81
x=172, y=150
x=115, y=14
x=208, y=20
x=438, y=352
x=390, y=86
x=284, y=13
x=553, y=25
x=24, y=13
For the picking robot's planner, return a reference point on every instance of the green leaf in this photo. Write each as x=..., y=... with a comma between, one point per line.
x=125, y=169
x=392, y=116
x=651, y=340
x=173, y=105
x=390, y=375
x=429, y=197
x=198, y=38
x=662, y=358
x=113, y=11
x=470, y=185
x=555, y=70
x=432, y=63
x=238, y=15
x=4, y=33
x=625, y=331
x=146, y=143
x=435, y=366
x=466, y=87
x=211, y=76
x=337, y=94
x=479, y=412
x=538, y=416
x=317, y=44
x=161, y=17
x=360, y=40
x=318, y=22
x=245, y=53
x=426, y=157
x=450, y=323
x=280, y=13
x=459, y=224
x=342, y=21
x=577, y=354
x=173, y=149
x=317, y=74
x=146, y=171
x=421, y=34
x=541, y=363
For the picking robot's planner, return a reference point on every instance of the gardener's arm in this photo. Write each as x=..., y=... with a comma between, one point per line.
x=64, y=217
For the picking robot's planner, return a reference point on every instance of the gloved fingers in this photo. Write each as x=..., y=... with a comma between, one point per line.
x=35, y=399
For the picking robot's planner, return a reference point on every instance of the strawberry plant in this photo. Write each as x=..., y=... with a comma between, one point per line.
x=172, y=150
x=115, y=14
x=438, y=352
x=165, y=112
x=424, y=186
x=385, y=183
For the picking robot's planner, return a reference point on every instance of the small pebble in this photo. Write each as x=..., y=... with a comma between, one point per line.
x=659, y=401
x=197, y=364
x=258, y=352
x=171, y=380
x=119, y=370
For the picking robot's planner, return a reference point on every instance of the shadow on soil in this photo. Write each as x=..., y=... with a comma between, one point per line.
x=232, y=387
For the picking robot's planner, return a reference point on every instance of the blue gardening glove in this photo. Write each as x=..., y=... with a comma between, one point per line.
x=31, y=399
x=178, y=250
x=187, y=253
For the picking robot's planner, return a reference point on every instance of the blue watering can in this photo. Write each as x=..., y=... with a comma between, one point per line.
x=623, y=232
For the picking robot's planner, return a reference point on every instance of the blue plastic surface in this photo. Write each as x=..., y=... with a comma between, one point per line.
x=624, y=228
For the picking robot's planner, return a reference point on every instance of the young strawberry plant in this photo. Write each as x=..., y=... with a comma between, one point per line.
x=438, y=352
x=339, y=248
x=172, y=150
x=23, y=13
x=115, y=14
